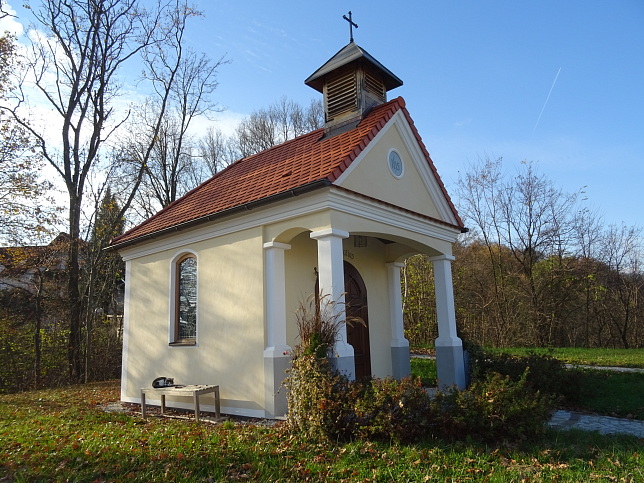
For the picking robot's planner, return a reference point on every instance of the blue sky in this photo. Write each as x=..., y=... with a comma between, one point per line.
x=476, y=76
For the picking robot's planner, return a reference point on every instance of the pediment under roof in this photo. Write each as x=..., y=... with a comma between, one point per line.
x=408, y=180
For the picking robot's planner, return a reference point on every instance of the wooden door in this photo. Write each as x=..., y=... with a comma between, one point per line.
x=358, y=320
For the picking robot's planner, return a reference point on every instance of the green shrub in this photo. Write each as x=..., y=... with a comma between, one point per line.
x=493, y=409
x=546, y=374
x=318, y=399
x=314, y=389
x=394, y=410
x=425, y=369
x=325, y=405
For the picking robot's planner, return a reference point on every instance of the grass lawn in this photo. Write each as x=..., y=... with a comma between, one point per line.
x=591, y=357
x=426, y=370
x=63, y=434
x=610, y=393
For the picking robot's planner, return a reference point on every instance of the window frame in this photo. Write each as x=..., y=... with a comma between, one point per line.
x=173, y=335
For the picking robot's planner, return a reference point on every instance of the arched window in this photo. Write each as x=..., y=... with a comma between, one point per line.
x=185, y=303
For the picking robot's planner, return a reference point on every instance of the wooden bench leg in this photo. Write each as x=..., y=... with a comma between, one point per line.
x=217, y=403
x=142, y=404
x=196, y=406
x=162, y=403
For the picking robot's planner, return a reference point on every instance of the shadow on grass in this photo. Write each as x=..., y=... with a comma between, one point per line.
x=618, y=394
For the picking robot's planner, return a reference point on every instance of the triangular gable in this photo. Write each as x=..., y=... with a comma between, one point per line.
x=305, y=163
x=416, y=187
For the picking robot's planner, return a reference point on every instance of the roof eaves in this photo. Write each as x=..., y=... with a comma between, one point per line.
x=346, y=55
x=434, y=170
x=318, y=184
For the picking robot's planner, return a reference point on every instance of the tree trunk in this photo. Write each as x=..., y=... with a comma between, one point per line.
x=73, y=294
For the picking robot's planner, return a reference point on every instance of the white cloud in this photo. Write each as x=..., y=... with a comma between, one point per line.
x=226, y=122
x=10, y=23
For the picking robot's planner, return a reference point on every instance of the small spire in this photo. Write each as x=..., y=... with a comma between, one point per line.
x=351, y=25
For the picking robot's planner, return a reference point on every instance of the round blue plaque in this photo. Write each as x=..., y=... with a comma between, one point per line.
x=396, y=165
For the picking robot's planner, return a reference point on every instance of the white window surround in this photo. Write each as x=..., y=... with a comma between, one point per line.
x=173, y=299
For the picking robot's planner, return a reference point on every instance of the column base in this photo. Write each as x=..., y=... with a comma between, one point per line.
x=275, y=403
x=449, y=363
x=400, y=362
x=345, y=365
x=342, y=359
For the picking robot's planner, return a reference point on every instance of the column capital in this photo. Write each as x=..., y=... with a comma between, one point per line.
x=274, y=244
x=442, y=258
x=394, y=265
x=329, y=232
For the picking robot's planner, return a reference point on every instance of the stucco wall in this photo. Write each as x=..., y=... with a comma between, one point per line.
x=230, y=322
x=371, y=176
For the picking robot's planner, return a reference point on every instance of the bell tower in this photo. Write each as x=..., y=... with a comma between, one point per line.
x=352, y=82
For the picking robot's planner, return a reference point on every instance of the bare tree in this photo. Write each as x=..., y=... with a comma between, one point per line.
x=622, y=279
x=280, y=122
x=159, y=146
x=217, y=150
x=530, y=219
x=168, y=169
x=3, y=12
x=480, y=192
x=537, y=220
x=588, y=242
x=75, y=67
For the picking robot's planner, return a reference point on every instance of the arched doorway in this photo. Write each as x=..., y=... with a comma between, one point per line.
x=358, y=320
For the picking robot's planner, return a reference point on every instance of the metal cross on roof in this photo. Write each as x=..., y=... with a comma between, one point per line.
x=351, y=25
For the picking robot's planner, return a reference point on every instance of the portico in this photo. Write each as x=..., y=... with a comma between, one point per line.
x=376, y=250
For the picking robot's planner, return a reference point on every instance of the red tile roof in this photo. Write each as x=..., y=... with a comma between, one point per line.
x=306, y=162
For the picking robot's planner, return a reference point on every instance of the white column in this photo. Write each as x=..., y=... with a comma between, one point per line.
x=400, y=363
x=276, y=351
x=449, y=347
x=331, y=282
x=275, y=298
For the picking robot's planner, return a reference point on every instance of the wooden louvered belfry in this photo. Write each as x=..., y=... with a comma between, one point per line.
x=352, y=82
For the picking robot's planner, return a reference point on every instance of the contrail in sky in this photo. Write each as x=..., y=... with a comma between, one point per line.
x=544, y=104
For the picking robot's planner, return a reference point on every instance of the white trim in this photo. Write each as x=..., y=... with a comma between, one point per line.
x=275, y=299
x=126, y=329
x=273, y=213
x=365, y=152
x=427, y=175
x=418, y=158
x=349, y=203
x=173, y=299
x=331, y=282
x=438, y=258
x=316, y=235
x=310, y=203
x=274, y=244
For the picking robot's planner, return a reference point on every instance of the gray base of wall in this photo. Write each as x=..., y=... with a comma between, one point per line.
x=400, y=363
x=450, y=367
x=274, y=393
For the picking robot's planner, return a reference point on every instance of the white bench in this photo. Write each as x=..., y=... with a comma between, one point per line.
x=192, y=390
